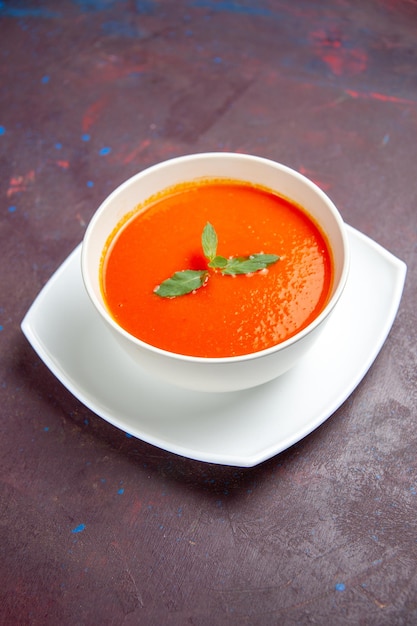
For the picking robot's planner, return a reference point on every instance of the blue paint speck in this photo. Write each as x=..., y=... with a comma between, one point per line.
x=26, y=12
x=58, y=146
x=11, y=209
x=78, y=529
x=105, y=151
x=1, y=327
x=128, y=435
x=231, y=6
x=120, y=491
x=121, y=29
x=145, y=7
x=86, y=137
x=45, y=79
x=46, y=428
x=90, y=6
x=340, y=587
x=90, y=183
x=2, y=130
x=217, y=59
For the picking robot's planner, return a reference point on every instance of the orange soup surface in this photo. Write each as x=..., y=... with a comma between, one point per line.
x=229, y=315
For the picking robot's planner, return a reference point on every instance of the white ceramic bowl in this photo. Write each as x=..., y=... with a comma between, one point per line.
x=228, y=373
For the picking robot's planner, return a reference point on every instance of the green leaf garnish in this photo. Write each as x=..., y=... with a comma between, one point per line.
x=181, y=283
x=187, y=281
x=209, y=241
x=248, y=264
x=218, y=262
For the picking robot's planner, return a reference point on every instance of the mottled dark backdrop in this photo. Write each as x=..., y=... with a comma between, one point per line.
x=99, y=528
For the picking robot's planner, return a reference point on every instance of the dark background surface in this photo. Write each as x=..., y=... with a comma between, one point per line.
x=98, y=528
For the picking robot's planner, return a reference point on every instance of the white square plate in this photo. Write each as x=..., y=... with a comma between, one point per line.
x=240, y=428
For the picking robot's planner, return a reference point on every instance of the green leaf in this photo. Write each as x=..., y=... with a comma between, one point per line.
x=181, y=283
x=248, y=264
x=269, y=259
x=218, y=262
x=209, y=241
x=187, y=281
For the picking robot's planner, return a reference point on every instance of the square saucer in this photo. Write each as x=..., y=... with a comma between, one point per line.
x=241, y=428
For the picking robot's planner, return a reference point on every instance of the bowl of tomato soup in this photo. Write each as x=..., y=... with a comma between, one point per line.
x=216, y=271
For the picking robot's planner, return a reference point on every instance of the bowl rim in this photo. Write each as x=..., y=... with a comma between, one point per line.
x=279, y=347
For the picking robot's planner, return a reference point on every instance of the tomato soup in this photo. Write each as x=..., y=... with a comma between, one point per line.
x=229, y=315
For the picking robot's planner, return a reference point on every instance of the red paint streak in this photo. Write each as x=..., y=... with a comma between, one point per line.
x=164, y=150
x=348, y=62
x=309, y=174
x=108, y=71
x=337, y=54
x=136, y=152
x=136, y=509
x=335, y=62
x=63, y=164
x=378, y=96
x=80, y=219
x=93, y=113
x=19, y=183
x=332, y=103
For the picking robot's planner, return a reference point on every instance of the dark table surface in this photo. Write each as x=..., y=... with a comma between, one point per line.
x=101, y=528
